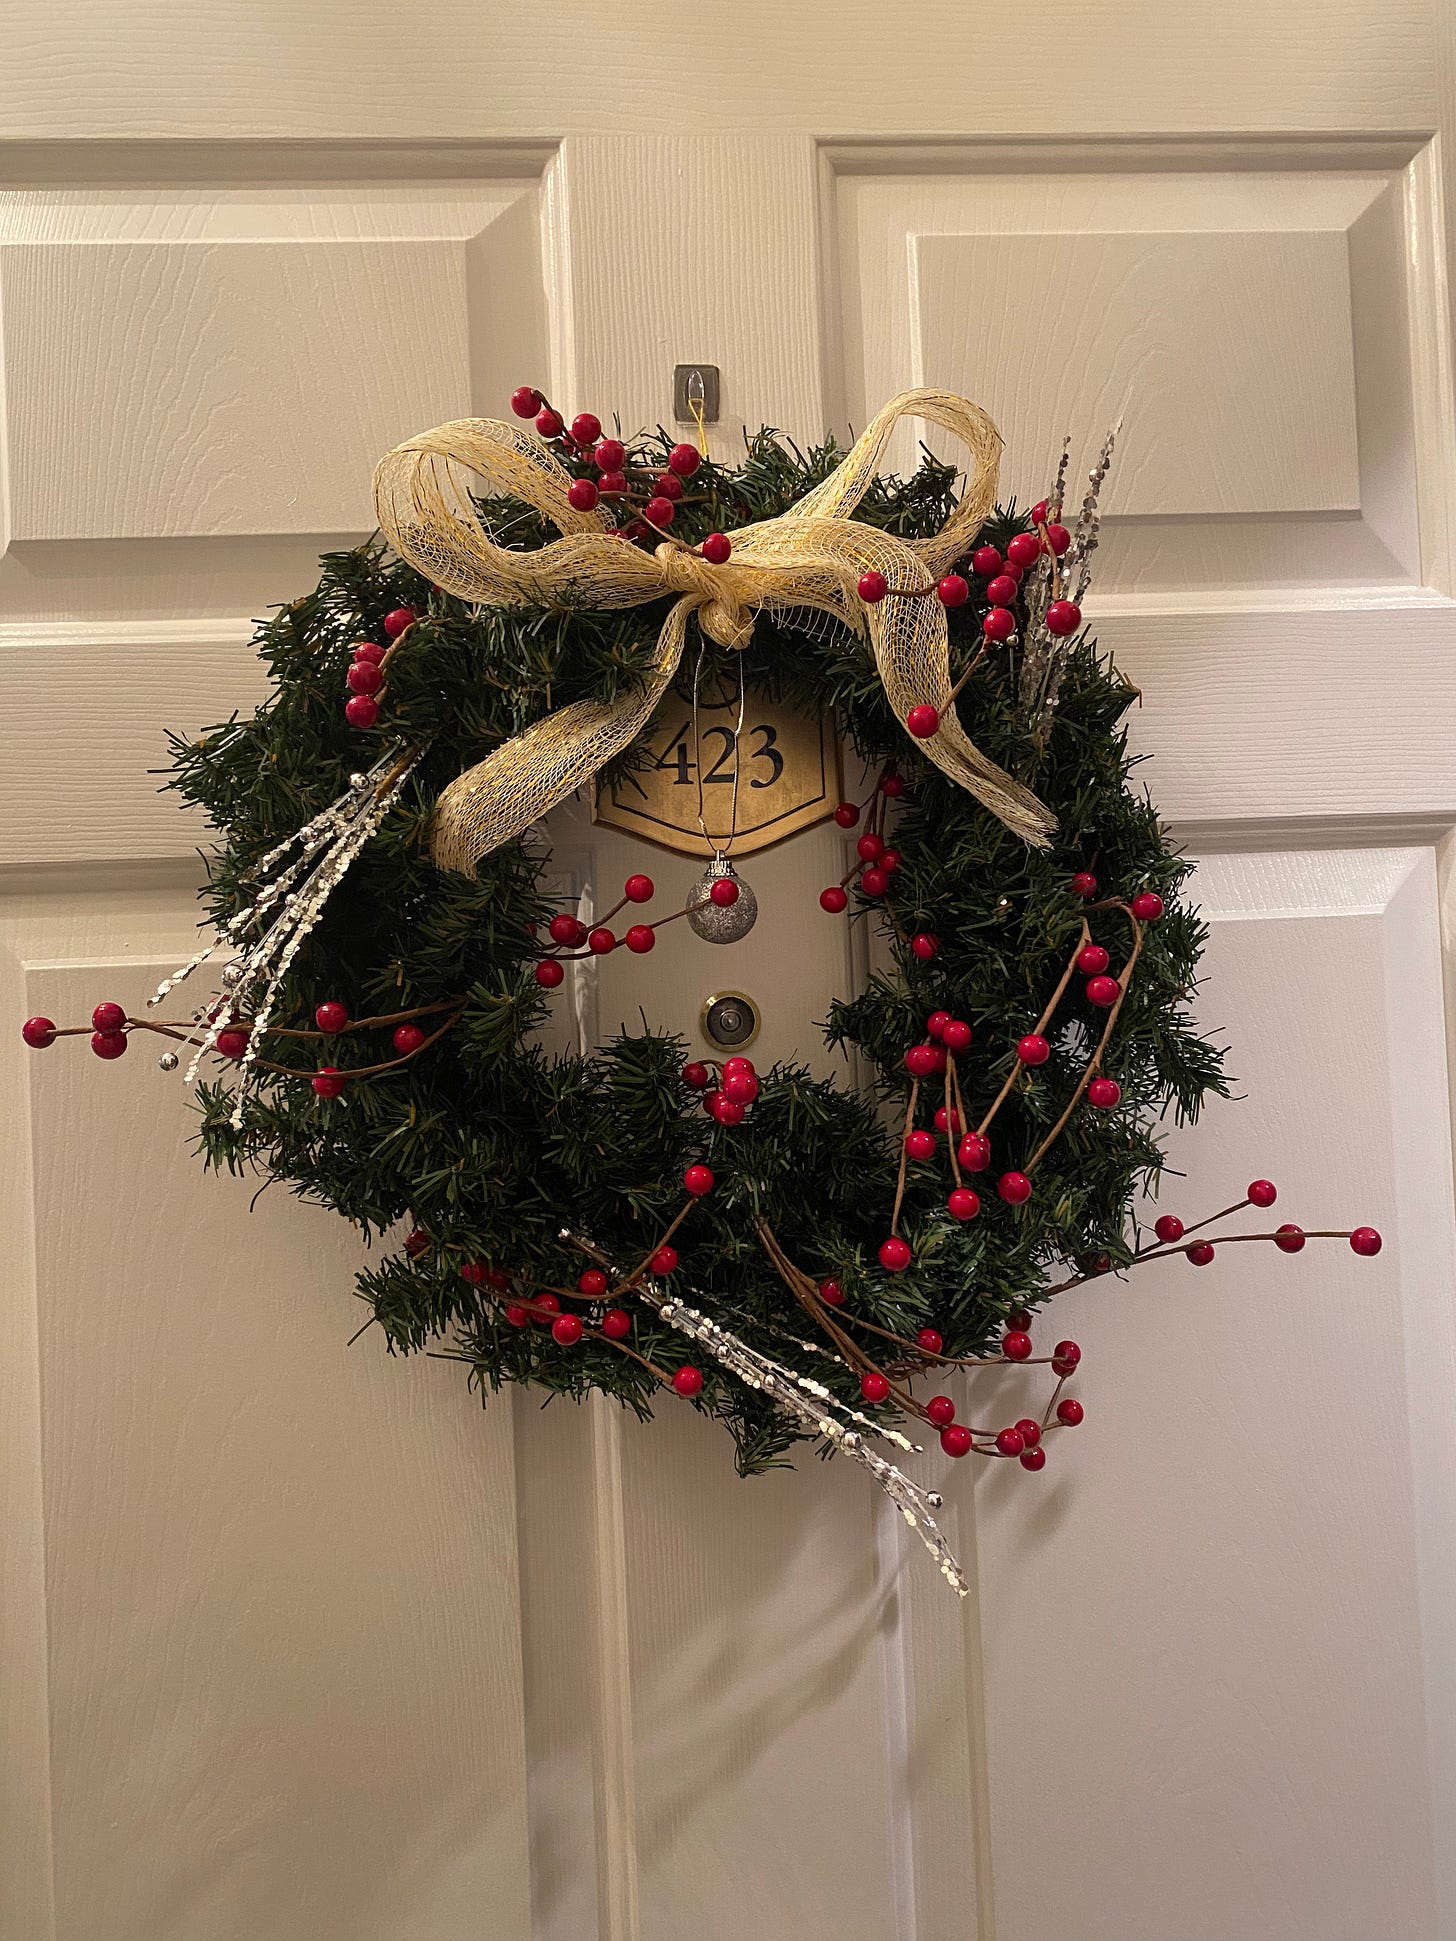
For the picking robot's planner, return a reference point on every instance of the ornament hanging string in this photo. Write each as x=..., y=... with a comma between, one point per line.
x=812, y=555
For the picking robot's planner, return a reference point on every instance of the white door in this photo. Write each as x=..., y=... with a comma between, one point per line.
x=301, y=1645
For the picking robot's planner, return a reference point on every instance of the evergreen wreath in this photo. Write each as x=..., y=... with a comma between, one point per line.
x=794, y=1258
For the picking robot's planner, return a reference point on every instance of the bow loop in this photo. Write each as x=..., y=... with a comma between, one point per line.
x=812, y=555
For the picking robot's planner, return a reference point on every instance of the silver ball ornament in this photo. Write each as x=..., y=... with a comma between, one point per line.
x=167, y=1062
x=721, y=923
x=233, y=974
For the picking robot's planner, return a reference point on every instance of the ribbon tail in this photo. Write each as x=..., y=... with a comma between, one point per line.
x=527, y=776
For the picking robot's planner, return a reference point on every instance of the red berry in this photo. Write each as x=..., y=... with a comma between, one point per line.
x=890, y=861
x=1058, y=538
x=1063, y=617
x=974, y=1152
x=895, y=1254
x=477, y=1272
x=717, y=548
x=516, y=1316
x=1091, y=960
x=108, y=1017
x=742, y=1086
x=232, y=1044
x=1290, y=1238
x=664, y=1261
x=362, y=711
x=1065, y=1357
x=616, y=1324
x=957, y=1035
x=614, y=484
x=724, y=893
x=923, y=720
x=1200, y=1253
x=1002, y=590
x=1016, y=1346
x=1169, y=1228
x=738, y=1063
x=369, y=650
x=1084, y=884
x=728, y=1112
x=952, y=591
x=846, y=815
x=364, y=678
x=921, y=1060
x=667, y=485
x=549, y=973
x=956, y=1439
x=1014, y=1188
x=601, y=941
x=407, y=1039
x=1039, y=513
x=610, y=456
x=1019, y=1317
x=549, y=423
x=870, y=848
x=526, y=400
x=1033, y=1049
x=640, y=938
x=396, y=622
x=592, y=1282
x=925, y=945
x=998, y=623
x=659, y=511
x=331, y=1017
x=941, y=1411
x=1103, y=991
x=328, y=1081
x=547, y=1305
x=417, y=1242
x=698, y=1180
x=892, y=785
x=833, y=899
x=586, y=428
x=930, y=1340
x=1030, y=1431
x=963, y=1204
x=108, y=1044
x=987, y=561
x=873, y=586
x=1104, y=1093
x=696, y=1075
x=874, y=881
x=566, y=1330
x=1262, y=1192
x=688, y=1380
x=920, y=1145
x=567, y=930
x=38, y=1033
x=583, y=495
x=831, y=1292
x=936, y=1023
x=943, y=1120
x=1010, y=1442
x=1366, y=1241
x=1069, y=1412
x=873, y=1386
x=1024, y=550
x=1033, y=1459
x=1147, y=906
x=684, y=460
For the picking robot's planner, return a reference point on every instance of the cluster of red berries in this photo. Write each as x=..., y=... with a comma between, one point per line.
x=877, y=861
x=544, y=1308
x=727, y=1101
x=582, y=441
x=366, y=673
x=1288, y=1238
x=570, y=933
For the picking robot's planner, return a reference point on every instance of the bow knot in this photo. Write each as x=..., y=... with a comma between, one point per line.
x=812, y=555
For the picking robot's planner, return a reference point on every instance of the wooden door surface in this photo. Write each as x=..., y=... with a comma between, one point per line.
x=300, y=1644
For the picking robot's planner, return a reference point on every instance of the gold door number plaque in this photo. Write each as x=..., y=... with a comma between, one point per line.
x=787, y=768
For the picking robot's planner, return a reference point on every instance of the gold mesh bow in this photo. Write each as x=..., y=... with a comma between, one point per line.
x=812, y=555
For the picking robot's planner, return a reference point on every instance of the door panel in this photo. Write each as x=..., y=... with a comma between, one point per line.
x=301, y=1642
